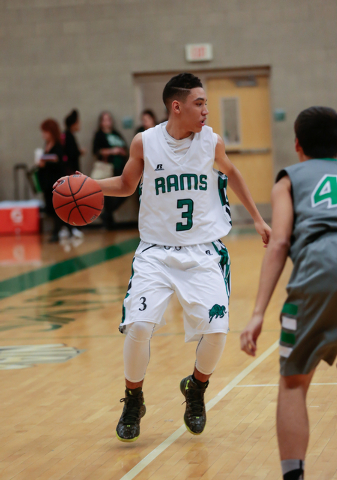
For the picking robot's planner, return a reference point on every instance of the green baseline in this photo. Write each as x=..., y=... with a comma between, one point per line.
x=20, y=283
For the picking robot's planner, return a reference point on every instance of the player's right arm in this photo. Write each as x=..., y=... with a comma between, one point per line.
x=273, y=262
x=125, y=184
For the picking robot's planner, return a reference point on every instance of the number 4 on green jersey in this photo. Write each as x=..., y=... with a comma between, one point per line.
x=325, y=191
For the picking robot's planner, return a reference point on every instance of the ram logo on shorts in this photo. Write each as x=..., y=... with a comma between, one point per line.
x=217, y=311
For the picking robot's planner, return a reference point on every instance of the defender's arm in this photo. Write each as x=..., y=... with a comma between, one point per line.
x=239, y=186
x=274, y=261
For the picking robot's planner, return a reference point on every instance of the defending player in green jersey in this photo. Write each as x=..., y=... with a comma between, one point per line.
x=304, y=226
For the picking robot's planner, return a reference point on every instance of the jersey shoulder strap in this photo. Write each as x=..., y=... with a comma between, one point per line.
x=149, y=134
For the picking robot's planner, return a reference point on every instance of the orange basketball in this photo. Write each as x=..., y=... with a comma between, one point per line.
x=78, y=200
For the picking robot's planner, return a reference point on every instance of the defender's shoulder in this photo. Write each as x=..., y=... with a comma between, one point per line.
x=289, y=171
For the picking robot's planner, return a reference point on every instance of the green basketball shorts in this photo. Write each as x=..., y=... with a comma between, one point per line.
x=309, y=315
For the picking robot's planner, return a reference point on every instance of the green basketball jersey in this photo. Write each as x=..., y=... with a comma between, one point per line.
x=314, y=192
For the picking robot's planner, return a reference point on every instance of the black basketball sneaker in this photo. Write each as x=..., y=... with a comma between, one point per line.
x=128, y=428
x=195, y=413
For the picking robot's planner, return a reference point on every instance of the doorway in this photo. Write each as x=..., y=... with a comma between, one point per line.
x=239, y=111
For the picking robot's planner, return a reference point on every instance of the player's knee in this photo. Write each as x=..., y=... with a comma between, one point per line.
x=141, y=331
x=216, y=340
x=295, y=381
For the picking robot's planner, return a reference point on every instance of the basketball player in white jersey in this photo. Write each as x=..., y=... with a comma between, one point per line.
x=184, y=212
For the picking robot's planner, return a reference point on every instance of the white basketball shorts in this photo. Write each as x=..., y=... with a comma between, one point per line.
x=200, y=276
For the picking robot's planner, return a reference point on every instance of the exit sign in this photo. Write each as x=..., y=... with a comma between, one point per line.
x=199, y=52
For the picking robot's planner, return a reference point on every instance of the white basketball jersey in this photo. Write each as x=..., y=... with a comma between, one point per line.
x=183, y=202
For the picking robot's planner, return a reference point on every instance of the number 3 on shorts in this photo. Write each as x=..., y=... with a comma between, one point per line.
x=188, y=215
x=143, y=307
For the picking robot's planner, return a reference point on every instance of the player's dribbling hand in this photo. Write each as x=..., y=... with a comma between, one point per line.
x=250, y=335
x=60, y=180
x=264, y=230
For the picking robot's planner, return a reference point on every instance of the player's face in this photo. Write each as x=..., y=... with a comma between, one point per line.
x=194, y=110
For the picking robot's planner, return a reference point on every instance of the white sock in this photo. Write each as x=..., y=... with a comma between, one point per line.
x=290, y=465
x=209, y=351
x=137, y=350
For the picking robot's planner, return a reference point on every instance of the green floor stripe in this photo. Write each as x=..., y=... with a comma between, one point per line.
x=20, y=283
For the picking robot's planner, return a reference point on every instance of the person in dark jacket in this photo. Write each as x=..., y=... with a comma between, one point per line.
x=71, y=149
x=110, y=146
x=51, y=168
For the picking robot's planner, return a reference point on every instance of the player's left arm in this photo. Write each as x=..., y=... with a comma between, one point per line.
x=273, y=262
x=239, y=187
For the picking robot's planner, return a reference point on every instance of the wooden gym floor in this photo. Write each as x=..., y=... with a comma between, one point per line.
x=62, y=378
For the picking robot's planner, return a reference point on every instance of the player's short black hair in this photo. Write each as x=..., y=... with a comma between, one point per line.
x=179, y=87
x=316, y=131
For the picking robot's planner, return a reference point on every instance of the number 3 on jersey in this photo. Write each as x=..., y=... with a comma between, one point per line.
x=187, y=214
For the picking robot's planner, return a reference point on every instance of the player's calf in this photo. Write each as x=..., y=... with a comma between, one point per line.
x=293, y=424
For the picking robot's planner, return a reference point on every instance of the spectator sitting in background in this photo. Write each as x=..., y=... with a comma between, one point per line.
x=148, y=119
x=51, y=168
x=110, y=146
x=71, y=149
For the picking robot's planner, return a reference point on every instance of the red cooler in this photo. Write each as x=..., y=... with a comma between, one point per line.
x=19, y=217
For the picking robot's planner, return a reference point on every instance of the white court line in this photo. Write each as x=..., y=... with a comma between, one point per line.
x=276, y=385
x=181, y=430
x=323, y=383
